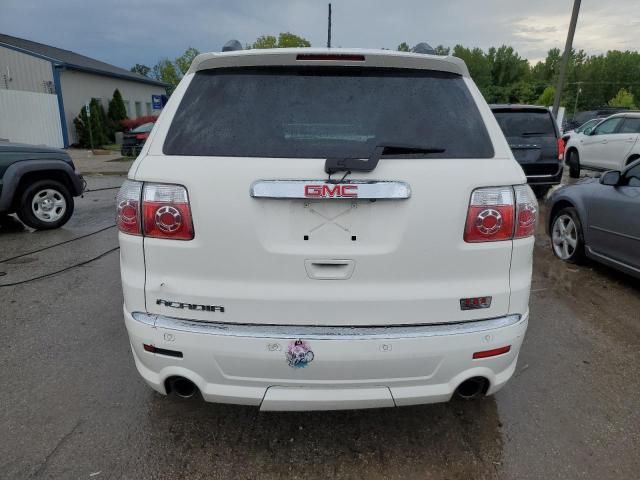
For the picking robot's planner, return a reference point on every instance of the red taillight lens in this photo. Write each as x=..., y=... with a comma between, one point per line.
x=128, y=208
x=142, y=136
x=492, y=353
x=526, y=211
x=166, y=212
x=501, y=213
x=561, y=146
x=490, y=215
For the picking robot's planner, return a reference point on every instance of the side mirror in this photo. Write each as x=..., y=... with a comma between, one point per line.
x=611, y=178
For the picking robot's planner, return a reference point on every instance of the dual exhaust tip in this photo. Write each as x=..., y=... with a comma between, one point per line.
x=181, y=386
x=474, y=387
x=469, y=389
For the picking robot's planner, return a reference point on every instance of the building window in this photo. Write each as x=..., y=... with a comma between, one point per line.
x=138, y=109
x=127, y=107
x=149, y=112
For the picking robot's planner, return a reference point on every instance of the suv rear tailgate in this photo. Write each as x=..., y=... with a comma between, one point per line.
x=411, y=265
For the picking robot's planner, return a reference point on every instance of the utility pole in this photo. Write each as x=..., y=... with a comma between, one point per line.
x=329, y=29
x=578, y=92
x=565, y=57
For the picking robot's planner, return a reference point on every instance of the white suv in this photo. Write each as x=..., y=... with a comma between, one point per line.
x=325, y=229
x=611, y=145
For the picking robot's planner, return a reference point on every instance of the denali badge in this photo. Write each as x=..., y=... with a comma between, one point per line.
x=190, y=306
x=299, y=354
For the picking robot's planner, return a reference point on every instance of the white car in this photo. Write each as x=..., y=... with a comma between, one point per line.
x=611, y=145
x=326, y=229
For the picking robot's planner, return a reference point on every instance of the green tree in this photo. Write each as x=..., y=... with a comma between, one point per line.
x=547, y=96
x=94, y=124
x=404, y=47
x=623, y=99
x=166, y=71
x=284, y=40
x=141, y=69
x=115, y=114
x=183, y=62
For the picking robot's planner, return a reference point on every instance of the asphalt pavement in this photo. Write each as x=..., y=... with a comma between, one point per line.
x=73, y=405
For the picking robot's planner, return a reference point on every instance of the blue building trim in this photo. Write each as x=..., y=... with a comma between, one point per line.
x=63, y=121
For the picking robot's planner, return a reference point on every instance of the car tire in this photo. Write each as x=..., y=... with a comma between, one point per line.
x=574, y=164
x=567, y=237
x=45, y=205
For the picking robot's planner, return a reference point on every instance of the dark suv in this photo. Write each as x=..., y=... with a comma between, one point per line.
x=534, y=138
x=38, y=184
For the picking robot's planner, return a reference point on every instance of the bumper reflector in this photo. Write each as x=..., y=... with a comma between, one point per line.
x=492, y=353
x=162, y=351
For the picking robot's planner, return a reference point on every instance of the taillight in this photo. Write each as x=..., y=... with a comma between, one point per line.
x=128, y=208
x=142, y=136
x=166, y=212
x=526, y=211
x=490, y=215
x=561, y=146
x=501, y=213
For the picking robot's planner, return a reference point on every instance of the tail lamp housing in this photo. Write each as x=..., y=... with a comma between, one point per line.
x=154, y=210
x=501, y=213
x=561, y=146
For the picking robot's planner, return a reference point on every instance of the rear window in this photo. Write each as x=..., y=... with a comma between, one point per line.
x=326, y=112
x=525, y=123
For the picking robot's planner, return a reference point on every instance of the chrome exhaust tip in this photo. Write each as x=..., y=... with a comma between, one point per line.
x=472, y=388
x=183, y=387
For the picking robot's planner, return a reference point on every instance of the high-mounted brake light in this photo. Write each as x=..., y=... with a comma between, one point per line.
x=501, y=213
x=344, y=57
x=154, y=210
x=166, y=212
x=128, y=217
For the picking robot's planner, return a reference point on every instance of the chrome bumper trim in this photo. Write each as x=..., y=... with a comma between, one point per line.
x=325, y=332
x=321, y=189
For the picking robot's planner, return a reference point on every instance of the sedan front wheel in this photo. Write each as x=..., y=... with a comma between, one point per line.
x=567, y=238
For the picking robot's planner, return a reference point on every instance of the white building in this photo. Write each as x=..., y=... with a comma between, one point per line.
x=37, y=78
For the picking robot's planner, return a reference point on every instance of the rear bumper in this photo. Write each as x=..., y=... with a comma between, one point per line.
x=349, y=367
x=543, y=174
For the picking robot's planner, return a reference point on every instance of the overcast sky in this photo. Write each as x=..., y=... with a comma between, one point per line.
x=125, y=32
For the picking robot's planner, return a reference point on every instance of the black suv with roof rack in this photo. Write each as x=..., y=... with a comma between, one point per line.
x=534, y=138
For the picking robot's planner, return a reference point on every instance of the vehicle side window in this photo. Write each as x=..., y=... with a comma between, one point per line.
x=630, y=125
x=608, y=126
x=632, y=176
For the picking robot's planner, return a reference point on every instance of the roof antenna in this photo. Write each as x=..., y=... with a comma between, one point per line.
x=329, y=29
x=232, y=46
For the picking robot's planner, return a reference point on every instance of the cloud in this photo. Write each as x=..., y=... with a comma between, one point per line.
x=125, y=32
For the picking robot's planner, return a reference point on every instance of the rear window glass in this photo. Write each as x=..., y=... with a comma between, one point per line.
x=525, y=123
x=326, y=112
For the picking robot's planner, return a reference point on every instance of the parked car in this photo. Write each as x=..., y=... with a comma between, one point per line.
x=587, y=126
x=38, y=184
x=534, y=139
x=598, y=218
x=133, y=141
x=581, y=118
x=305, y=229
x=612, y=144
